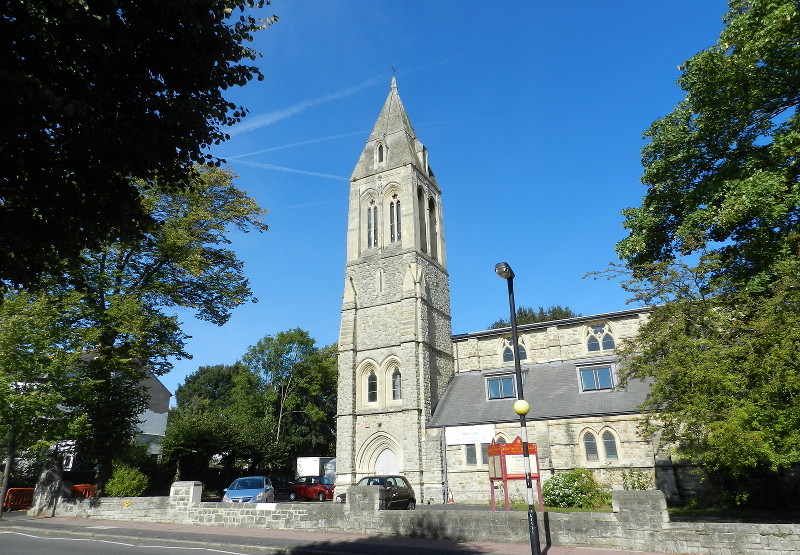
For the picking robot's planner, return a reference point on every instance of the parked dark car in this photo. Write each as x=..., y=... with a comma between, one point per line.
x=250, y=489
x=311, y=487
x=400, y=494
x=280, y=484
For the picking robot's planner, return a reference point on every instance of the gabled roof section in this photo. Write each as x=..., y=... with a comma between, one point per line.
x=393, y=130
x=551, y=388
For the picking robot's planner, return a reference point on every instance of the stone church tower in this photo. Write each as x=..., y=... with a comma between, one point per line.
x=395, y=342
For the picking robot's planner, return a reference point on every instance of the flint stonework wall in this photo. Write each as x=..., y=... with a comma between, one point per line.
x=639, y=522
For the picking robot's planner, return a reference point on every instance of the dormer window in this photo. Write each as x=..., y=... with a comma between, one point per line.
x=500, y=387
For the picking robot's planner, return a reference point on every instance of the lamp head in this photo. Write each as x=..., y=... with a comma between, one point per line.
x=503, y=270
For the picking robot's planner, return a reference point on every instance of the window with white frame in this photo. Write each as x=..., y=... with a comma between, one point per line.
x=500, y=387
x=596, y=378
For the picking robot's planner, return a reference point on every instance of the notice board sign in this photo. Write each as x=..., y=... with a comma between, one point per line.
x=507, y=462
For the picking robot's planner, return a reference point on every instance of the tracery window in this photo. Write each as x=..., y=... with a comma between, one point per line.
x=508, y=351
x=599, y=338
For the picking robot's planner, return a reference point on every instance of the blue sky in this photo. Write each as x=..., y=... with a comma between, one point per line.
x=532, y=113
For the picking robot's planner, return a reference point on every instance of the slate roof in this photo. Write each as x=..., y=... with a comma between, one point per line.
x=551, y=388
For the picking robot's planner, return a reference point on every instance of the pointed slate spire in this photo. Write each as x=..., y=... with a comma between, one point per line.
x=394, y=133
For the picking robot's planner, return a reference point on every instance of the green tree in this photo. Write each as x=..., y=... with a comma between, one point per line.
x=299, y=381
x=715, y=244
x=527, y=315
x=101, y=93
x=37, y=352
x=221, y=412
x=128, y=289
x=722, y=169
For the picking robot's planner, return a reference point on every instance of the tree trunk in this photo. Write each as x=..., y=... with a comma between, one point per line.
x=10, y=455
x=103, y=475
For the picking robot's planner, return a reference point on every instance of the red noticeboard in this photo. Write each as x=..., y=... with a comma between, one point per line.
x=507, y=462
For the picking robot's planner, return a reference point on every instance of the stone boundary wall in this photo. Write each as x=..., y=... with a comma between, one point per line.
x=639, y=522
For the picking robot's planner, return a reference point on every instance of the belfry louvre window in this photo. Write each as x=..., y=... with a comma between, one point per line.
x=596, y=379
x=372, y=225
x=394, y=220
x=501, y=387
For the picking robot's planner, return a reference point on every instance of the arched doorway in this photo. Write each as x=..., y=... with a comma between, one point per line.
x=386, y=463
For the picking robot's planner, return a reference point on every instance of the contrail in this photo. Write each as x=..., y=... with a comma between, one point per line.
x=291, y=170
x=257, y=122
x=302, y=143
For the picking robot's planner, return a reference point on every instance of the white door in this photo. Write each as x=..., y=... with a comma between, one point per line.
x=387, y=463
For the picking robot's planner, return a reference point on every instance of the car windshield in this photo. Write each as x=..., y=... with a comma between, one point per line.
x=247, y=483
x=324, y=481
x=371, y=481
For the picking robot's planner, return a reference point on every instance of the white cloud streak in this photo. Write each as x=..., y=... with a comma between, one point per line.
x=257, y=122
x=291, y=170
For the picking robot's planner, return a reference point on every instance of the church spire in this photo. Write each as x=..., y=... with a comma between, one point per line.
x=393, y=142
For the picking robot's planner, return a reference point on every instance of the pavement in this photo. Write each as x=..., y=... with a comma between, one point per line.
x=260, y=540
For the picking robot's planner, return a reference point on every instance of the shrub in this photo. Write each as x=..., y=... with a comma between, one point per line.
x=576, y=488
x=635, y=479
x=126, y=481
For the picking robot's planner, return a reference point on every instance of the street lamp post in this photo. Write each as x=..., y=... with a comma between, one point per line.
x=521, y=406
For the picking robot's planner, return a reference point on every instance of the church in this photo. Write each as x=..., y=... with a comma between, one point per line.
x=416, y=400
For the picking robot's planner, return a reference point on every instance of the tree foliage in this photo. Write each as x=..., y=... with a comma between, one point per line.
x=715, y=244
x=527, y=315
x=38, y=349
x=99, y=94
x=722, y=169
x=121, y=298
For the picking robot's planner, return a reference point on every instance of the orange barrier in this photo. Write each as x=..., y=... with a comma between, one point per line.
x=84, y=491
x=18, y=498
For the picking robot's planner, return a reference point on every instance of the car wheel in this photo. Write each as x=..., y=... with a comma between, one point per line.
x=411, y=505
x=321, y=496
x=292, y=496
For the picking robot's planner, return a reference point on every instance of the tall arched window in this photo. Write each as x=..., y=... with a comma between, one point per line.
x=610, y=446
x=372, y=387
x=432, y=228
x=372, y=225
x=394, y=219
x=380, y=152
x=590, y=446
x=397, y=385
x=423, y=236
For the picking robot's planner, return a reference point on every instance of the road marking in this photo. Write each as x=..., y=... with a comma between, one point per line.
x=61, y=539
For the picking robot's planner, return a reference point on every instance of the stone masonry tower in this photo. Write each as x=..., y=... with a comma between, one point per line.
x=395, y=346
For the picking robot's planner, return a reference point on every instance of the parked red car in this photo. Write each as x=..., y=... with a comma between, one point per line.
x=311, y=487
